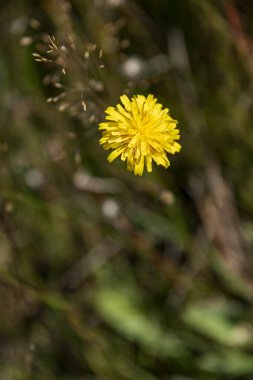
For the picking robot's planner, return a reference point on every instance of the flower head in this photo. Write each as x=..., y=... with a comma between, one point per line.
x=140, y=131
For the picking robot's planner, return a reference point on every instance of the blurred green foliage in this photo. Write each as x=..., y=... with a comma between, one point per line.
x=104, y=275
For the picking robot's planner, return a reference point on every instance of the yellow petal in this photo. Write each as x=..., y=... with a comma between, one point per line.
x=114, y=154
x=125, y=101
x=130, y=162
x=138, y=168
x=149, y=163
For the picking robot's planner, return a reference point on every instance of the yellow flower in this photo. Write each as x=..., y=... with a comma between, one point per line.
x=140, y=132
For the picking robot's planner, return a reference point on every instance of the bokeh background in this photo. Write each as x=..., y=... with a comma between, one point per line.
x=104, y=275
